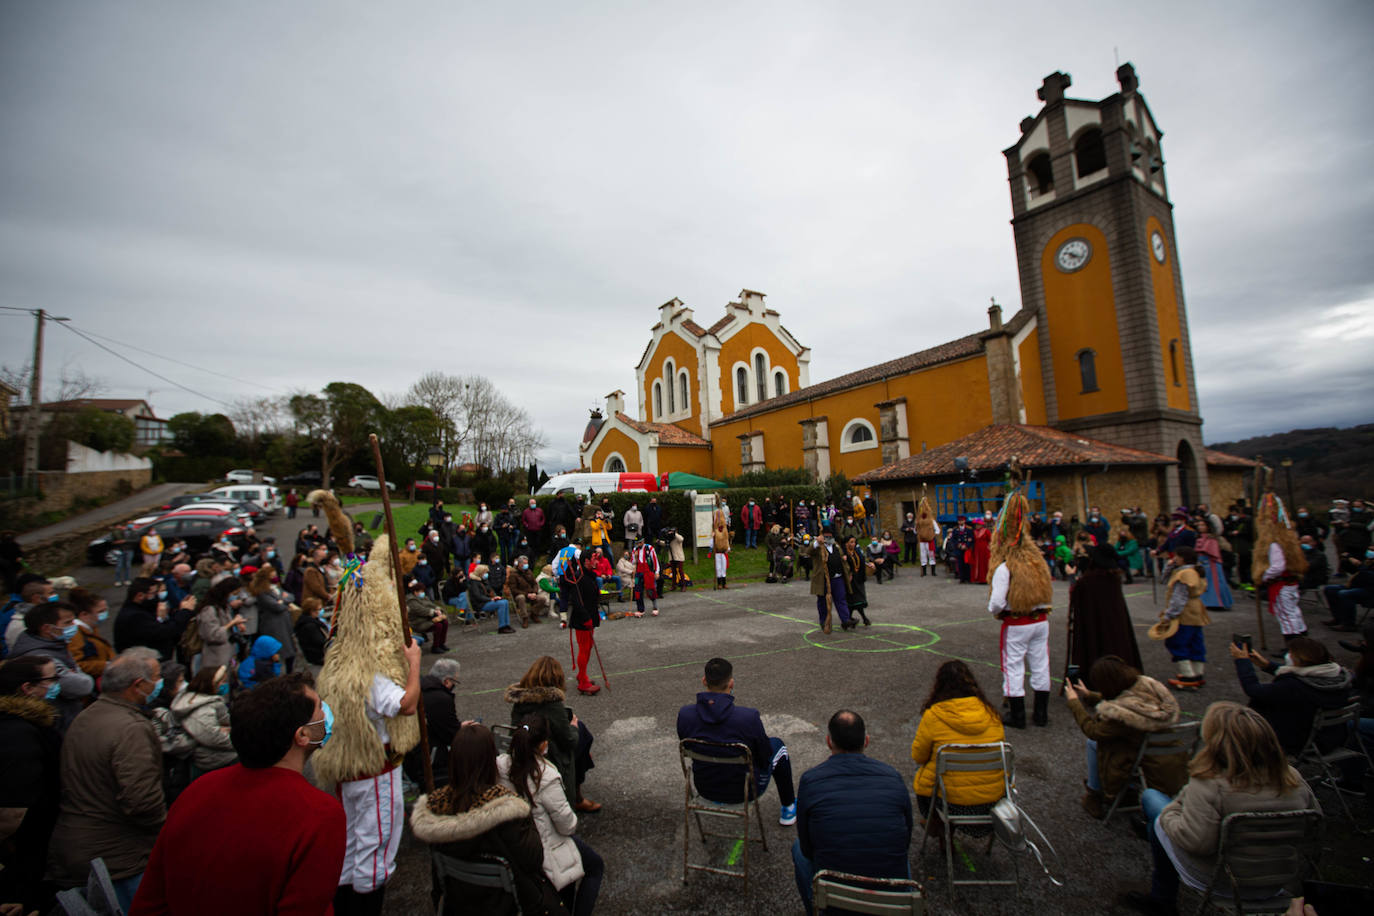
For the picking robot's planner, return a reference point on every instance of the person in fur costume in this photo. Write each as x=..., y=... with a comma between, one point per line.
x=927, y=530
x=371, y=683
x=1020, y=597
x=1278, y=565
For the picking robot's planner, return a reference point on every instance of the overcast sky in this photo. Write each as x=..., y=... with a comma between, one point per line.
x=295, y=193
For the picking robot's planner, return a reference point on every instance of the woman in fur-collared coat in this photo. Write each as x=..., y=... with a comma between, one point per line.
x=1116, y=715
x=474, y=815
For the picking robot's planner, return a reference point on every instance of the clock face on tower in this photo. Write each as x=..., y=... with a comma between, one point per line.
x=1072, y=255
x=1157, y=246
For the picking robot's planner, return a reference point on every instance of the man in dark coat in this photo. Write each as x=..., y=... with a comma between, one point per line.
x=560, y=513
x=1099, y=623
x=139, y=623
x=853, y=812
x=441, y=717
x=1240, y=531
x=1308, y=680
x=653, y=519
x=961, y=540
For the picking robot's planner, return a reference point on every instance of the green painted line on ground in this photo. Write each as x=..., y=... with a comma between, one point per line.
x=735, y=853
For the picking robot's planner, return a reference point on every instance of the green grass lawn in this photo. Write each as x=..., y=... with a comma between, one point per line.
x=744, y=564
x=408, y=518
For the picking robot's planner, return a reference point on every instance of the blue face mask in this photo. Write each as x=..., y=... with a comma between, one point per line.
x=53, y=690
x=328, y=724
x=162, y=595
x=157, y=688
x=69, y=631
x=223, y=689
x=102, y=616
x=271, y=554
x=52, y=598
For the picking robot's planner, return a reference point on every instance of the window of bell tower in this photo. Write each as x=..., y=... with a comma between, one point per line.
x=1090, y=153
x=1087, y=370
x=1040, y=174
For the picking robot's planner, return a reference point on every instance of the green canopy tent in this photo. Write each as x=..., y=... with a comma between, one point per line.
x=681, y=480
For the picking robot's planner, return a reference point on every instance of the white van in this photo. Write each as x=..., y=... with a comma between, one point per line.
x=263, y=494
x=586, y=484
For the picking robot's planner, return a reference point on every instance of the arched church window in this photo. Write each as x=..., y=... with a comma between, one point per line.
x=1173, y=363
x=615, y=465
x=1090, y=153
x=779, y=383
x=658, y=400
x=682, y=390
x=672, y=399
x=859, y=433
x=761, y=376
x=1040, y=174
x=742, y=385
x=1087, y=370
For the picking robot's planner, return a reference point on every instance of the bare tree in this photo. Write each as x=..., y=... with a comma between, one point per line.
x=477, y=422
x=73, y=384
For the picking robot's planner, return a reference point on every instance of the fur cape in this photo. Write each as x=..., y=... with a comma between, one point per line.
x=36, y=712
x=1013, y=545
x=367, y=641
x=1145, y=706
x=437, y=829
x=534, y=695
x=925, y=520
x=1272, y=526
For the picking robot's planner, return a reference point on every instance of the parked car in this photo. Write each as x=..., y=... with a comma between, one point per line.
x=198, y=530
x=239, y=508
x=424, y=486
x=263, y=494
x=368, y=482
x=304, y=479
x=243, y=475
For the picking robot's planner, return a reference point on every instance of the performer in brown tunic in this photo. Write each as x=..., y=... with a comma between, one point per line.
x=1099, y=623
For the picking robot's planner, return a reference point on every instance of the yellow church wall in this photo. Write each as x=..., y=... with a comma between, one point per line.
x=616, y=441
x=684, y=356
x=943, y=403
x=1166, y=313
x=1081, y=312
x=691, y=460
x=1032, y=380
x=740, y=348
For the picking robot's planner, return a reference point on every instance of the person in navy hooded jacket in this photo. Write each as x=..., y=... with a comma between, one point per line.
x=715, y=717
x=262, y=662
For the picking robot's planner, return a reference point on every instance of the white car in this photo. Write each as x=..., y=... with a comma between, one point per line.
x=243, y=475
x=369, y=482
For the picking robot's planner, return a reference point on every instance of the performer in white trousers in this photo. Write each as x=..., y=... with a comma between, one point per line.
x=1281, y=565
x=1020, y=596
x=927, y=532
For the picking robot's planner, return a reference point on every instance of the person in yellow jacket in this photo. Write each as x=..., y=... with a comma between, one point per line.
x=91, y=651
x=150, y=545
x=956, y=712
x=599, y=530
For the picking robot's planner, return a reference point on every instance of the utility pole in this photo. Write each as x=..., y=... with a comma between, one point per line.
x=35, y=405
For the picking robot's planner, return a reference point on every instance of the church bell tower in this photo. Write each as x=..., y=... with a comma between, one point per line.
x=1098, y=262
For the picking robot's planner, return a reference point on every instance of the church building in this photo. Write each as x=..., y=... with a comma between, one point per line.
x=1099, y=348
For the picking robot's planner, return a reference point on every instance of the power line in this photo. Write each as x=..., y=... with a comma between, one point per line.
x=180, y=363
x=126, y=359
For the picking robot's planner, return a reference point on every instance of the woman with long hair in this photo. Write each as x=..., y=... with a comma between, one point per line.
x=274, y=613
x=202, y=709
x=540, y=692
x=218, y=617
x=1217, y=597
x=475, y=815
x=956, y=712
x=1122, y=707
x=1240, y=768
x=574, y=868
x=294, y=583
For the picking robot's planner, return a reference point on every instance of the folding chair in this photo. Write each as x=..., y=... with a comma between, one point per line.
x=1177, y=739
x=1255, y=847
x=486, y=871
x=503, y=735
x=969, y=758
x=735, y=754
x=98, y=898
x=1347, y=718
x=859, y=894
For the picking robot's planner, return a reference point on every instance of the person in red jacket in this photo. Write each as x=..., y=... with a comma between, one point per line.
x=255, y=837
x=751, y=517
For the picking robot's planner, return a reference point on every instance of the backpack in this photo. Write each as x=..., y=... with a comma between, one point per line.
x=191, y=643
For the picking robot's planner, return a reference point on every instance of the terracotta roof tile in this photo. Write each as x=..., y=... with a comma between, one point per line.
x=990, y=448
x=668, y=433
x=720, y=325
x=1218, y=459
x=955, y=349
x=693, y=328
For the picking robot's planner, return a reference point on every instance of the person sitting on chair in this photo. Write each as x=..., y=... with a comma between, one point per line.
x=1307, y=681
x=715, y=717
x=853, y=813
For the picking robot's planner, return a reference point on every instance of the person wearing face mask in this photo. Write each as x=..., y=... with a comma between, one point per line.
x=292, y=867
x=91, y=650
x=483, y=599
x=829, y=575
x=47, y=628
x=202, y=709
x=218, y=620
x=1318, y=569
x=483, y=543
x=426, y=617
x=410, y=555
x=506, y=527
x=30, y=745
x=314, y=582
x=531, y=605
x=533, y=522
x=751, y=518
x=1307, y=680
x=111, y=768
x=633, y=522
x=33, y=592
x=1185, y=583
x=145, y=620
x=274, y=613
x=484, y=516
x=599, y=531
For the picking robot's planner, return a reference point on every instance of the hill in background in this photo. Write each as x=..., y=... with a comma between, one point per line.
x=1327, y=462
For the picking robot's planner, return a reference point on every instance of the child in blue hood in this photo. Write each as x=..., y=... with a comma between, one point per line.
x=262, y=662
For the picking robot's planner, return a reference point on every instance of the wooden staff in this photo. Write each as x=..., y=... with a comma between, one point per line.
x=401, y=601
x=1259, y=586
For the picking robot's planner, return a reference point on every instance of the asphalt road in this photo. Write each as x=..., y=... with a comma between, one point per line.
x=117, y=511
x=798, y=677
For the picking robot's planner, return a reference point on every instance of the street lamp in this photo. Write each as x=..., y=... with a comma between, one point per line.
x=435, y=458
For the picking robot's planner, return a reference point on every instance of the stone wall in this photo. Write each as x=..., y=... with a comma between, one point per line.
x=1228, y=485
